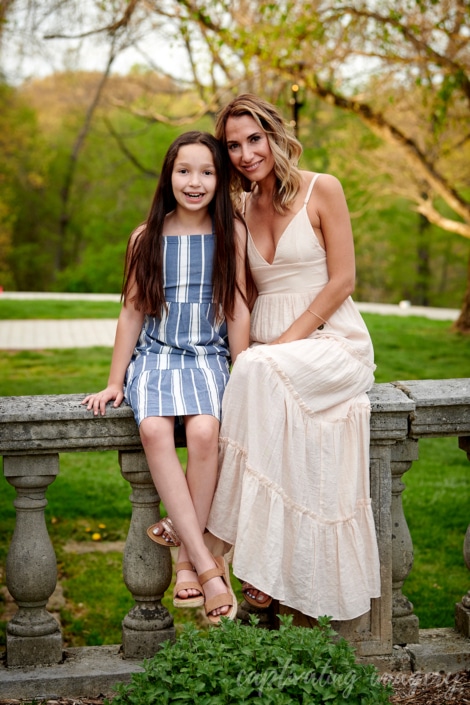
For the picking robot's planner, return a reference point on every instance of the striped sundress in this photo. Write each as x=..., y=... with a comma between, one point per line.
x=180, y=365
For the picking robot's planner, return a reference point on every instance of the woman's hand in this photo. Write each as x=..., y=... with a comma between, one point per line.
x=97, y=402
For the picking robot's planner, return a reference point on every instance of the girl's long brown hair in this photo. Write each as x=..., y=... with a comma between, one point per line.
x=144, y=257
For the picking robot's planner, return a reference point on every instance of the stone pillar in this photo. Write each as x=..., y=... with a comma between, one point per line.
x=462, y=608
x=147, y=567
x=381, y=609
x=33, y=635
x=405, y=624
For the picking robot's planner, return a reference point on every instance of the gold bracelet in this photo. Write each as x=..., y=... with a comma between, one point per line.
x=316, y=314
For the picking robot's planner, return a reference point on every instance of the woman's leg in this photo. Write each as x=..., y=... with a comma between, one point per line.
x=157, y=435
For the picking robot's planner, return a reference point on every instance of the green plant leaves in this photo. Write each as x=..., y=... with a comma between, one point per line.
x=235, y=663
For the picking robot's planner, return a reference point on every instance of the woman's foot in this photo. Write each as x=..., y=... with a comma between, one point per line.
x=188, y=591
x=256, y=597
x=220, y=600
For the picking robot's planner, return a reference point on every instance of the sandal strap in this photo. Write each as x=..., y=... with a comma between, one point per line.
x=222, y=600
x=170, y=530
x=217, y=572
x=184, y=565
x=189, y=585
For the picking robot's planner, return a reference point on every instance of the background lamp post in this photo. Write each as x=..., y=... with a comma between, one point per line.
x=296, y=104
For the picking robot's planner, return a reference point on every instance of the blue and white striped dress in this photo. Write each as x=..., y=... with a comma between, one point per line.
x=180, y=365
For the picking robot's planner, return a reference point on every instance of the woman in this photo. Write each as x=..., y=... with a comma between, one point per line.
x=293, y=491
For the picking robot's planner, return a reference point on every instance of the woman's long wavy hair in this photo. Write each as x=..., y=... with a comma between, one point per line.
x=285, y=148
x=144, y=257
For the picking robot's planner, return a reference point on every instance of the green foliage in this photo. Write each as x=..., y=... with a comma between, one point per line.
x=242, y=664
x=398, y=254
x=82, y=249
x=23, y=168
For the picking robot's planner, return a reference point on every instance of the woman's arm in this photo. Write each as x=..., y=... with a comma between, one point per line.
x=329, y=216
x=238, y=326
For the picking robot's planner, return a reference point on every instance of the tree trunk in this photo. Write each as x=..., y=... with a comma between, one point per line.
x=462, y=324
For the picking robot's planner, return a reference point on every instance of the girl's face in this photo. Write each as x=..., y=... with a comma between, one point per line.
x=194, y=178
x=248, y=148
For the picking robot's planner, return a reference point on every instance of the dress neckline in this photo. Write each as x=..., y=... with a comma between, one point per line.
x=302, y=208
x=189, y=235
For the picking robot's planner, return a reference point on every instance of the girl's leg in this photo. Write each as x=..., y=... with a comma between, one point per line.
x=202, y=441
x=157, y=435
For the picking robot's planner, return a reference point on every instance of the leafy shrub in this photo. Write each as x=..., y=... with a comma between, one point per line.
x=235, y=663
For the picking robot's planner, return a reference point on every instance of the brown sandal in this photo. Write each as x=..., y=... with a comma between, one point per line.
x=196, y=601
x=225, y=598
x=252, y=600
x=167, y=525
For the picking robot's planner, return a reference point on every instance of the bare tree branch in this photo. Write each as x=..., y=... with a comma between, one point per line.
x=415, y=156
x=127, y=153
x=423, y=48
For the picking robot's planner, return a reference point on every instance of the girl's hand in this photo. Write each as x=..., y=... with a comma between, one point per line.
x=98, y=401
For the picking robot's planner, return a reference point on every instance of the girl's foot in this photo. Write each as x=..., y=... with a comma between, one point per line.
x=188, y=591
x=218, y=603
x=256, y=597
x=164, y=533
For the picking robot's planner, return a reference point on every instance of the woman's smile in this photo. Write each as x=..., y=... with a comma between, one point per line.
x=248, y=147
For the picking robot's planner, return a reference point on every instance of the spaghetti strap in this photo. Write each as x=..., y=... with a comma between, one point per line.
x=310, y=188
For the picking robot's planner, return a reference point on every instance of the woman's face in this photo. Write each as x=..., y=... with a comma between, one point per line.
x=248, y=148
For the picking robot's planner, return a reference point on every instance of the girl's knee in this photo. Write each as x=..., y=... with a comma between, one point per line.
x=202, y=435
x=157, y=431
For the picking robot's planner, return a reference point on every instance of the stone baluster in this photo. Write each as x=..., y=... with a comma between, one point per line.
x=147, y=567
x=462, y=608
x=405, y=624
x=381, y=610
x=33, y=636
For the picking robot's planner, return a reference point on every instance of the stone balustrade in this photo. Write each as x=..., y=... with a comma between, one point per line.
x=35, y=430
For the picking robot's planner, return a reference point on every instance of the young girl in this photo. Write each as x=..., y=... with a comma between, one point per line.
x=183, y=292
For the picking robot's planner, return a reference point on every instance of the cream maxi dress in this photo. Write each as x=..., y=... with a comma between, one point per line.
x=293, y=494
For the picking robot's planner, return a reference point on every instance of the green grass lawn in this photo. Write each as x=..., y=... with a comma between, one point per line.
x=91, y=497
x=26, y=309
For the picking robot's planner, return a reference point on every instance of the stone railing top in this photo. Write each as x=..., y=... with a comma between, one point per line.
x=59, y=423
x=442, y=406
x=437, y=392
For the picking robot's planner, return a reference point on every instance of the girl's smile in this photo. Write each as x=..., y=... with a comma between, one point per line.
x=194, y=178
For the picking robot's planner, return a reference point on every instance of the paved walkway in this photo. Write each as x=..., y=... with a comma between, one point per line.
x=87, y=332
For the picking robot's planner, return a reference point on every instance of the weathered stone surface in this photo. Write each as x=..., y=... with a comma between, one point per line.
x=442, y=406
x=390, y=410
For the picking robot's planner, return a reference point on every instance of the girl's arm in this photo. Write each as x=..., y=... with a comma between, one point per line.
x=127, y=332
x=238, y=327
x=128, y=329
x=328, y=211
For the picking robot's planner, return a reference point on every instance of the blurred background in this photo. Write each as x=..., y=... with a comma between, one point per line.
x=93, y=91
